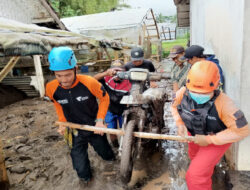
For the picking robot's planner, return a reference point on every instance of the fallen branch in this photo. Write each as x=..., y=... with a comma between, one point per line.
x=121, y=132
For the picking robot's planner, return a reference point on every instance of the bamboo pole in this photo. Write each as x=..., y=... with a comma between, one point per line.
x=120, y=132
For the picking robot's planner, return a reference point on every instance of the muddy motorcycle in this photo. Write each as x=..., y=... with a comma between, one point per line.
x=144, y=114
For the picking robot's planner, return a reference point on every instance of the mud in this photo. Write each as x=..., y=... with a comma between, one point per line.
x=9, y=95
x=38, y=159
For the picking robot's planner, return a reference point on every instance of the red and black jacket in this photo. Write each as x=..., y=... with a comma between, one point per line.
x=116, y=91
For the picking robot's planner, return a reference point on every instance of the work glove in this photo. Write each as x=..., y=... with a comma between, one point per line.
x=201, y=140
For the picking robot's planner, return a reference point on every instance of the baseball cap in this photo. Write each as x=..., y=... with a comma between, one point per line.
x=137, y=54
x=193, y=51
x=177, y=49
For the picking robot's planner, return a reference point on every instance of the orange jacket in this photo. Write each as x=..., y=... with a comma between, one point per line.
x=78, y=104
x=227, y=113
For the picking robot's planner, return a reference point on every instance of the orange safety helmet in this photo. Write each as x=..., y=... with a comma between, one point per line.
x=203, y=77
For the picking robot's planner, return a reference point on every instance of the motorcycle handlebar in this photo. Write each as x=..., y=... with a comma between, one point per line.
x=158, y=76
x=151, y=75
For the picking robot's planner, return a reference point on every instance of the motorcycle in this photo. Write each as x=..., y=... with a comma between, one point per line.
x=144, y=113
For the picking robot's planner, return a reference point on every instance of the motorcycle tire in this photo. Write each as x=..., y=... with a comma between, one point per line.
x=126, y=165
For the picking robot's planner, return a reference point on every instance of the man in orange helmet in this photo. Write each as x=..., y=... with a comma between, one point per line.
x=209, y=115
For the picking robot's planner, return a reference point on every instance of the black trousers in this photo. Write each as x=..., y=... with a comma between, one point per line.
x=79, y=152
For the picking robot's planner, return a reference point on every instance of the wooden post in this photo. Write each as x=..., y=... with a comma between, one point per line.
x=116, y=55
x=106, y=51
x=53, y=14
x=121, y=132
x=163, y=31
x=39, y=75
x=4, y=181
x=125, y=59
x=8, y=67
x=158, y=35
x=175, y=33
x=159, y=50
x=149, y=49
x=169, y=33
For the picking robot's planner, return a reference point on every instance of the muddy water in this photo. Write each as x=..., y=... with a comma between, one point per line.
x=162, y=168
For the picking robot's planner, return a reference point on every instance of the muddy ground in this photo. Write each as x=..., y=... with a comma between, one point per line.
x=6, y=95
x=38, y=159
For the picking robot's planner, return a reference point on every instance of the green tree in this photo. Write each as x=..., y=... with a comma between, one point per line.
x=160, y=18
x=66, y=8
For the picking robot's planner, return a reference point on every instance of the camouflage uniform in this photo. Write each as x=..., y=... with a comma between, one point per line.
x=179, y=75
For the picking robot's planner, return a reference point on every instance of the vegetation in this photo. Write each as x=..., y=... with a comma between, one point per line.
x=67, y=8
x=161, y=18
x=167, y=45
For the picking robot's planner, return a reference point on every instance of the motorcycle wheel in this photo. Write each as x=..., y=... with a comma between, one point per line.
x=126, y=165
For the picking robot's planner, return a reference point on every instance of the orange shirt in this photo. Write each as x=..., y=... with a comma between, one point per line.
x=78, y=104
x=229, y=114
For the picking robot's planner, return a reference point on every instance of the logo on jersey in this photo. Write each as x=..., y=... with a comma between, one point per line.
x=211, y=118
x=65, y=101
x=81, y=98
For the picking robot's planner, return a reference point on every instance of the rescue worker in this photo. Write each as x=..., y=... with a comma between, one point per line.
x=180, y=69
x=137, y=61
x=75, y=100
x=209, y=115
x=116, y=89
x=194, y=54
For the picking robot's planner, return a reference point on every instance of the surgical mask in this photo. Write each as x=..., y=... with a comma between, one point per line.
x=201, y=98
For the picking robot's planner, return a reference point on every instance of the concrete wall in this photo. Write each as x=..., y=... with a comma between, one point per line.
x=223, y=26
x=244, y=153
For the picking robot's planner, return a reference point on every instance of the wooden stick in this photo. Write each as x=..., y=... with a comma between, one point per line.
x=8, y=67
x=4, y=181
x=120, y=132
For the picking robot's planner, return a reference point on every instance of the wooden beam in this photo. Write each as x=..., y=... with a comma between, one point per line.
x=150, y=25
x=106, y=51
x=121, y=132
x=39, y=75
x=4, y=181
x=155, y=23
x=153, y=36
x=145, y=29
x=8, y=67
x=163, y=32
x=116, y=55
x=53, y=14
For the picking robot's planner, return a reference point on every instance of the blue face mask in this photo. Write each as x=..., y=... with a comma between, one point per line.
x=201, y=98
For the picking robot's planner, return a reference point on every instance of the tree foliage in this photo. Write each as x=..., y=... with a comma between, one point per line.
x=67, y=8
x=161, y=18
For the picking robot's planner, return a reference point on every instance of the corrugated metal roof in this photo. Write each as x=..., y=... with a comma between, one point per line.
x=108, y=20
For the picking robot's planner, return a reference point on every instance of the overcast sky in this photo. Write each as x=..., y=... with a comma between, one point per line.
x=166, y=7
